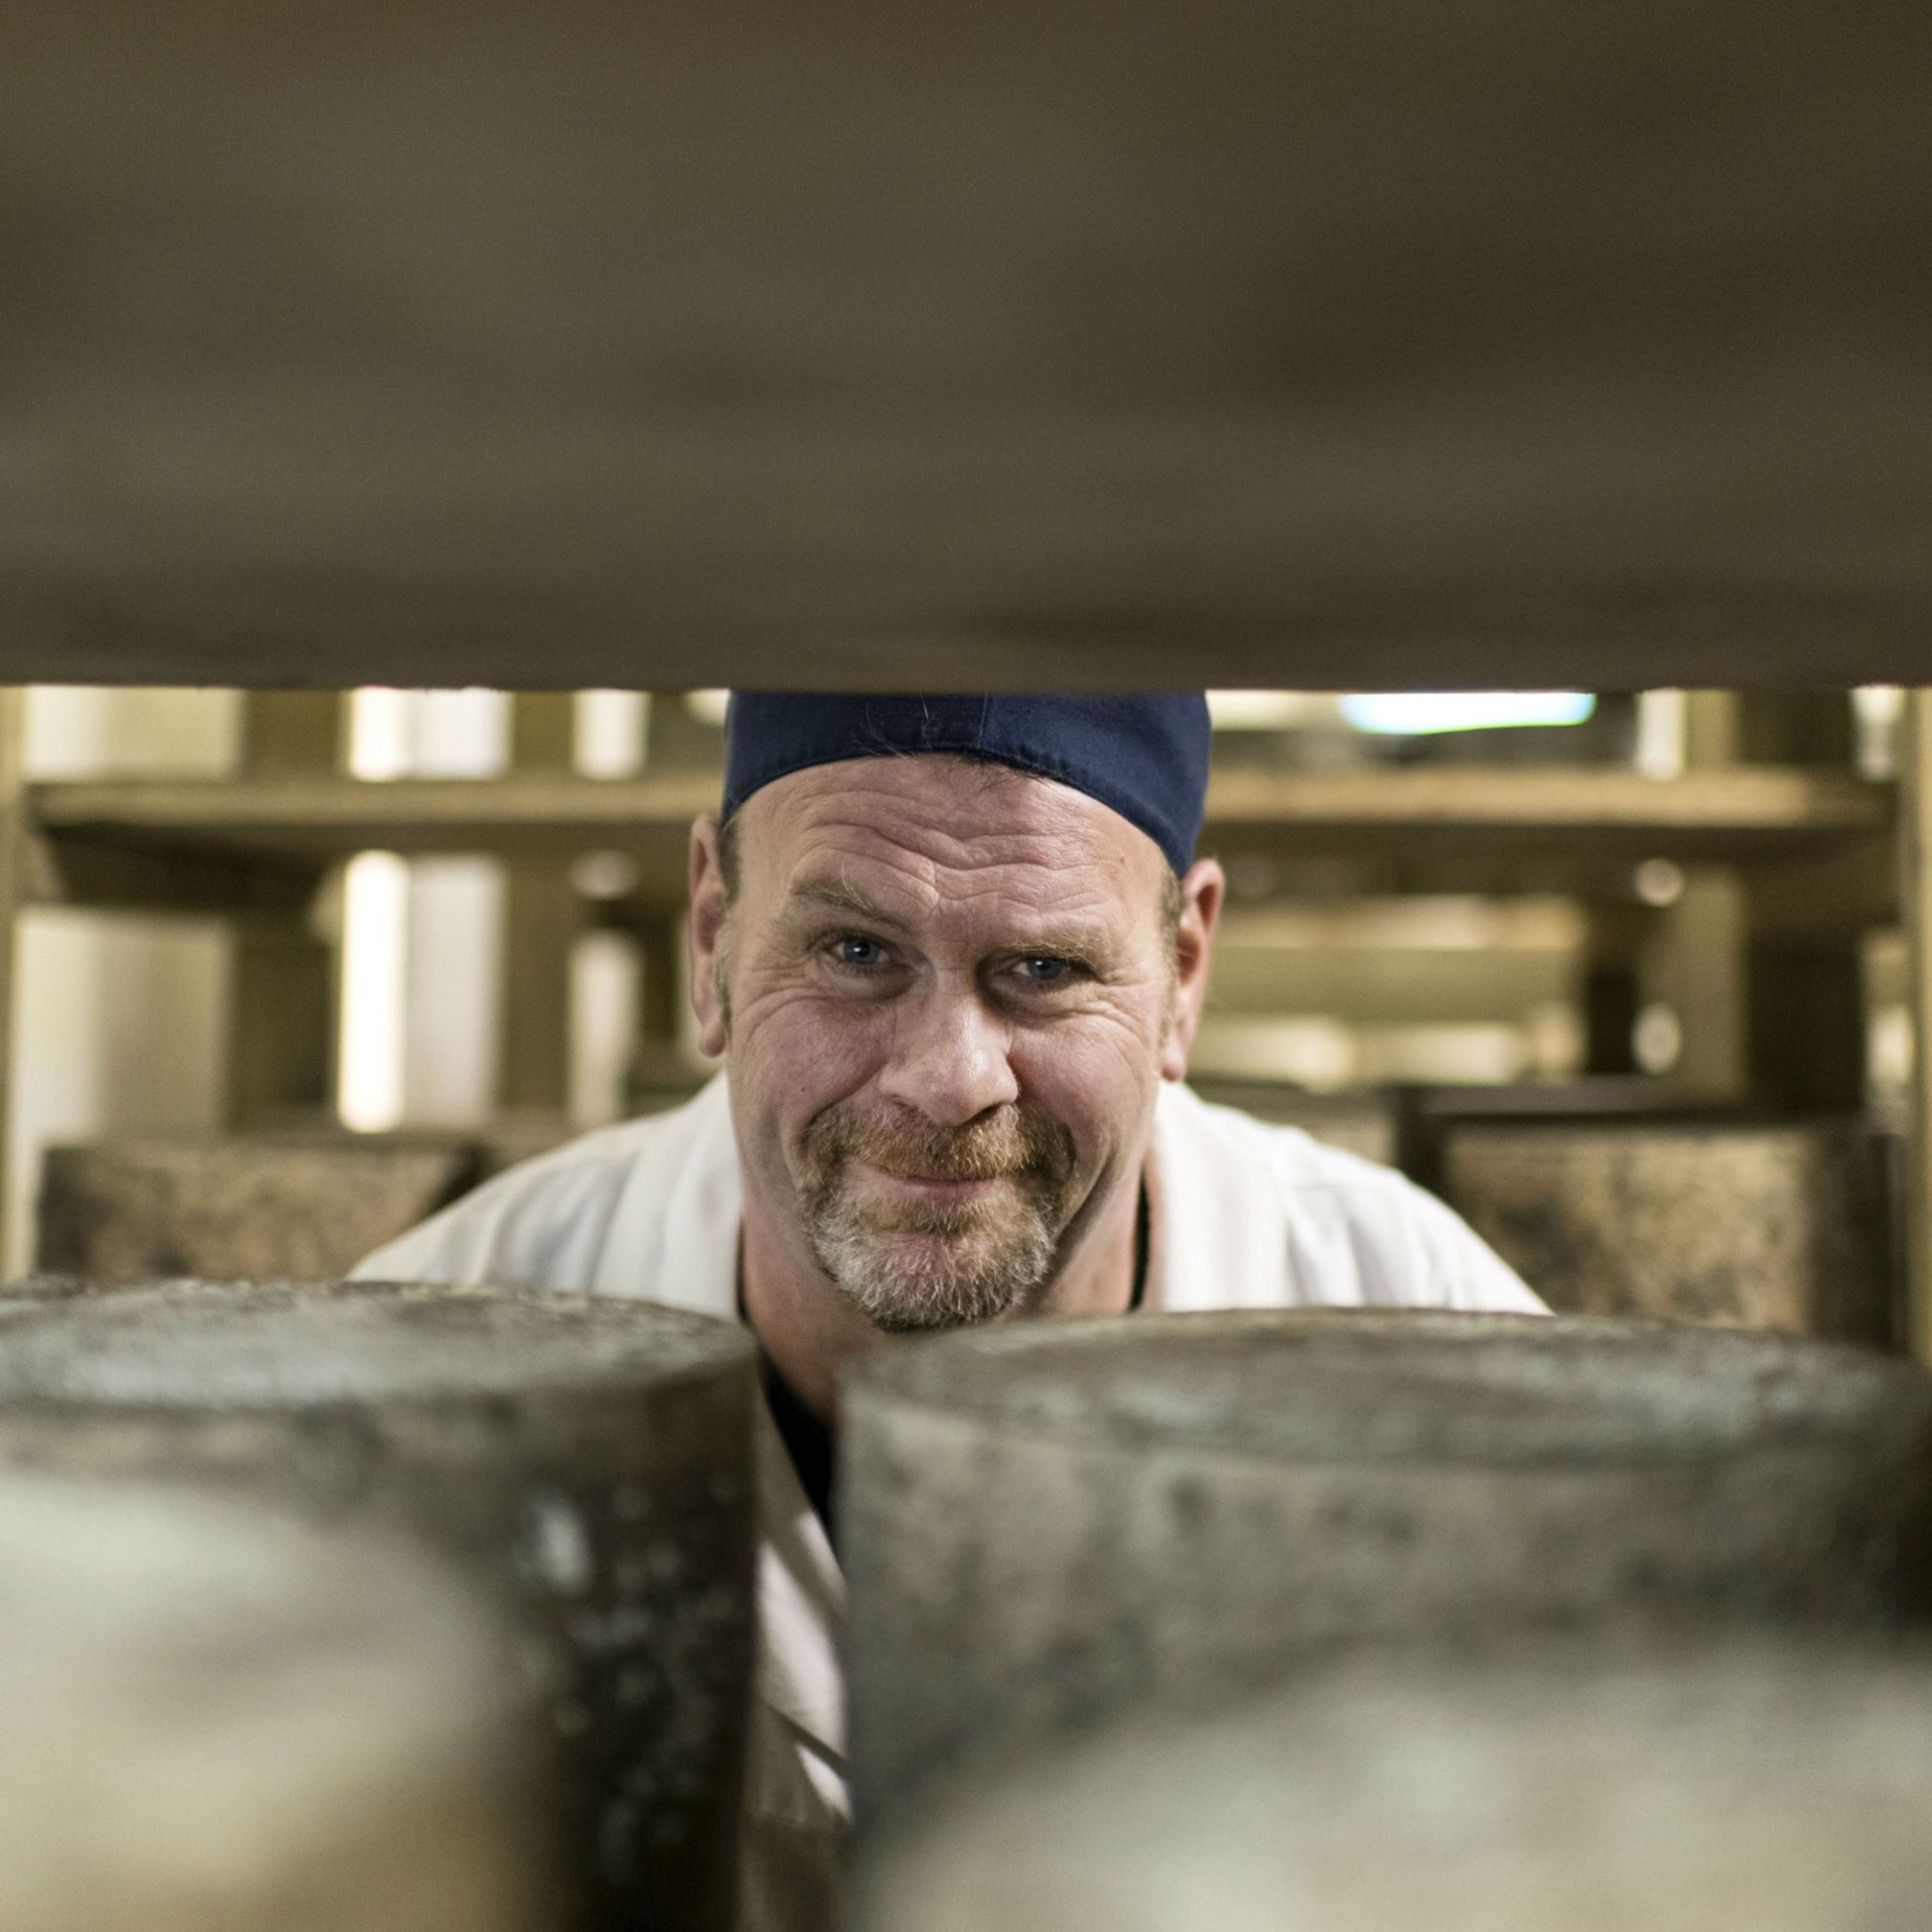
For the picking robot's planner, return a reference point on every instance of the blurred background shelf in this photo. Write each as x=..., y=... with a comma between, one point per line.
x=456, y=918
x=139, y=841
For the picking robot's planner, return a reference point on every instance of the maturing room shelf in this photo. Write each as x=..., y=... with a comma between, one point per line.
x=209, y=843
x=323, y=818
x=1737, y=806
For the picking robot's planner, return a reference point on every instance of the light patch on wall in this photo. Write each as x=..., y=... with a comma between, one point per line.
x=461, y=734
x=1662, y=725
x=451, y=977
x=604, y=984
x=85, y=732
x=119, y=1027
x=1272, y=711
x=611, y=728
x=379, y=731
x=420, y=944
x=1878, y=720
x=375, y=978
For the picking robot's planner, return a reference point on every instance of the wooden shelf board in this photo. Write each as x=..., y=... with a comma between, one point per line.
x=1745, y=803
x=1429, y=817
x=326, y=817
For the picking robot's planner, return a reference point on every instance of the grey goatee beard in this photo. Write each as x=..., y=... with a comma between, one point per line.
x=913, y=1266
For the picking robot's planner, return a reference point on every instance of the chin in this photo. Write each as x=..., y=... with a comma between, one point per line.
x=905, y=1317
x=921, y=1284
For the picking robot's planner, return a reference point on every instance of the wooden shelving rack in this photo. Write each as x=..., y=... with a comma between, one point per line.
x=1804, y=859
x=212, y=843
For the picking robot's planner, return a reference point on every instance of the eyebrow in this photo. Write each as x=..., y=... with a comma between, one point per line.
x=837, y=896
x=840, y=895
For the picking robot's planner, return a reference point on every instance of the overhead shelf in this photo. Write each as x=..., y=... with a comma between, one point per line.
x=1529, y=342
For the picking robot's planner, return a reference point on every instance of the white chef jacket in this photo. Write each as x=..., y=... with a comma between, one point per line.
x=1242, y=1214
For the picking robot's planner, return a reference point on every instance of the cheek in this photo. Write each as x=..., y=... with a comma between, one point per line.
x=800, y=1054
x=1097, y=1078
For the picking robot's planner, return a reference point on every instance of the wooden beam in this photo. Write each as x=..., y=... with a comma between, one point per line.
x=1726, y=813
x=1613, y=995
x=660, y=950
x=1846, y=892
x=282, y=1019
x=282, y=1004
x=166, y=881
x=1734, y=803
x=325, y=817
x=1764, y=967
x=1807, y=1040
x=1694, y=963
x=14, y=863
x=542, y=917
x=1796, y=727
x=1915, y=858
x=294, y=732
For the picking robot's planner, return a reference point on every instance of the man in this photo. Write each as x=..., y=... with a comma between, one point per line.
x=954, y=950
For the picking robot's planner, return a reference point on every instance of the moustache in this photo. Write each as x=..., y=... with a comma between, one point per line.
x=1016, y=1142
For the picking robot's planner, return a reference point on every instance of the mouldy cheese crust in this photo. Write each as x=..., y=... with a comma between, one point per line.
x=1243, y=1493
x=1779, y=1788
x=588, y=1461
x=1362, y=1385
x=288, y=1344
x=214, y=1713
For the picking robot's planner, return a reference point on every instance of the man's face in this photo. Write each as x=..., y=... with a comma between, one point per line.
x=950, y=993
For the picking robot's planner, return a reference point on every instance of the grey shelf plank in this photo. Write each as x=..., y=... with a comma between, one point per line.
x=136, y=841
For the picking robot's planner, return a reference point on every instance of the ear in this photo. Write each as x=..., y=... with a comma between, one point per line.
x=703, y=934
x=1201, y=894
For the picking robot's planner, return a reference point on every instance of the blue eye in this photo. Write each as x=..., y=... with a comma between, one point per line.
x=1043, y=969
x=852, y=950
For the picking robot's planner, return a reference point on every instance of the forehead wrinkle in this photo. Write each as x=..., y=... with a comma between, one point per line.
x=929, y=794
x=926, y=844
x=879, y=829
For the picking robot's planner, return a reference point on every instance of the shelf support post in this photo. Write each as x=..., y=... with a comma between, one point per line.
x=542, y=915
x=1915, y=853
x=13, y=896
x=282, y=1017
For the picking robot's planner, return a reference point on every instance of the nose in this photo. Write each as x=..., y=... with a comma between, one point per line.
x=949, y=1059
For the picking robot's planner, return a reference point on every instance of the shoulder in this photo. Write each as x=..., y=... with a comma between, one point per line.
x=544, y=1222
x=1357, y=1233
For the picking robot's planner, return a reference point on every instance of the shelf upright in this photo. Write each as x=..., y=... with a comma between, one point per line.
x=543, y=913
x=14, y=836
x=1804, y=932
x=1916, y=860
x=282, y=1007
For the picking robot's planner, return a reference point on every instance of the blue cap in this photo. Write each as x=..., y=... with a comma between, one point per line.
x=1144, y=756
